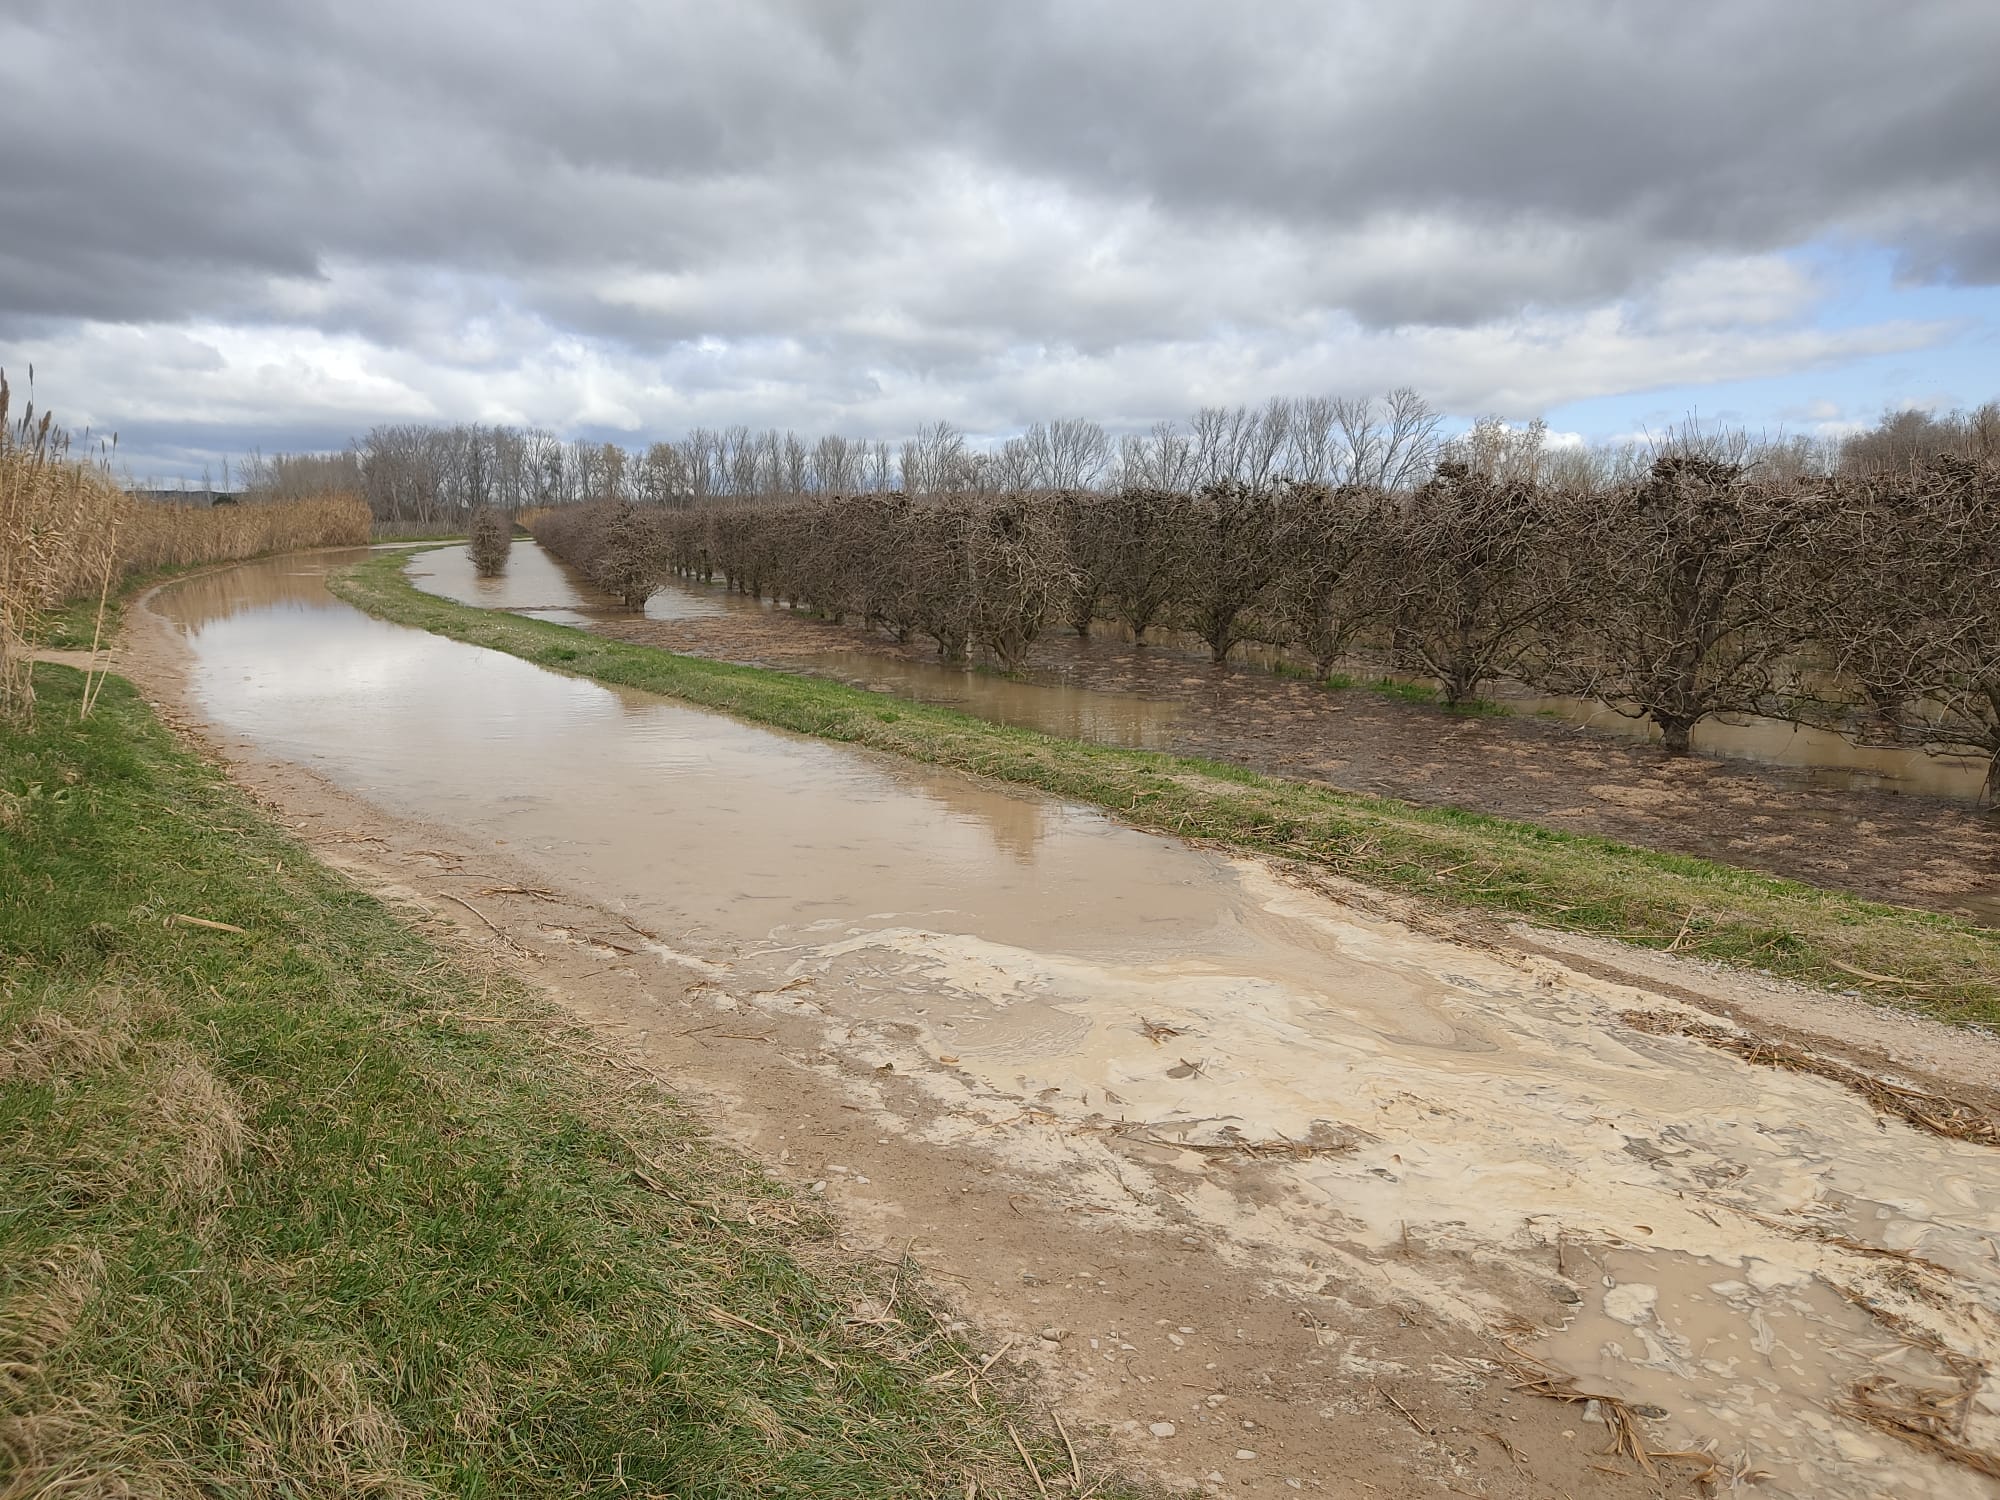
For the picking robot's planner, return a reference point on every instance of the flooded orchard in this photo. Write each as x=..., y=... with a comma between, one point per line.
x=543, y=586
x=1753, y=1254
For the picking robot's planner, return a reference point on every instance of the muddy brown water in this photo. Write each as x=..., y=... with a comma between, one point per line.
x=537, y=584
x=540, y=585
x=1729, y=1240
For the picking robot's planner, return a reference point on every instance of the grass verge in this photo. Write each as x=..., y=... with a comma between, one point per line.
x=298, y=1204
x=1940, y=965
x=73, y=625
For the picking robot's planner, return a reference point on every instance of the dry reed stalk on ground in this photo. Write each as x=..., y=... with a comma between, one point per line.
x=1953, y=1119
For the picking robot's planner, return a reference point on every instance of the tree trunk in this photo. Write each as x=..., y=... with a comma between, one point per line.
x=1676, y=733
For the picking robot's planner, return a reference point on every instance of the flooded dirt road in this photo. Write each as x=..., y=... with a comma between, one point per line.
x=1384, y=1170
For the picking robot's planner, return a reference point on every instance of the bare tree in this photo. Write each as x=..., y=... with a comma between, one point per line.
x=1086, y=521
x=1309, y=441
x=1327, y=589
x=1229, y=559
x=935, y=461
x=1688, y=585
x=1469, y=575
x=1904, y=439
x=1146, y=554
x=836, y=465
x=1918, y=636
x=1018, y=566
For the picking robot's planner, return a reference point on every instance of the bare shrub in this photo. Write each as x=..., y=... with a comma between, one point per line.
x=937, y=546
x=1089, y=539
x=1018, y=566
x=1724, y=576
x=1145, y=553
x=1327, y=589
x=631, y=564
x=491, y=542
x=620, y=548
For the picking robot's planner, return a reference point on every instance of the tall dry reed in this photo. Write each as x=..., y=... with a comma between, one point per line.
x=67, y=531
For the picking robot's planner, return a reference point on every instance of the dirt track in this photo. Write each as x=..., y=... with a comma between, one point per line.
x=1164, y=1271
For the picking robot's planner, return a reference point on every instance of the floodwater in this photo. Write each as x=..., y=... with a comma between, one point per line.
x=1828, y=758
x=1714, y=1231
x=535, y=583
x=538, y=584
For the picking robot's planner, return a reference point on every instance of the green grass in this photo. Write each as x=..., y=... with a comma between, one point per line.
x=1430, y=694
x=73, y=625
x=315, y=1209
x=1943, y=966
x=1405, y=692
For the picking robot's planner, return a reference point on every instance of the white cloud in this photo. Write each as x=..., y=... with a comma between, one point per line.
x=256, y=221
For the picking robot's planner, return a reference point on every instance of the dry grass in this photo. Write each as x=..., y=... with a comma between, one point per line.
x=67, y=531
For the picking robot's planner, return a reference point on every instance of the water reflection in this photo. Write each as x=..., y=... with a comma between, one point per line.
x=536, y=583
x=1828, y=759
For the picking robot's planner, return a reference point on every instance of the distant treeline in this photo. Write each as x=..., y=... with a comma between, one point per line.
x=1700, y=583
x=433, y=477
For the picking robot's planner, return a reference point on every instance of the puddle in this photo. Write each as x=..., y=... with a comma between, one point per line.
x=1473, y=1136
x=1073, y=713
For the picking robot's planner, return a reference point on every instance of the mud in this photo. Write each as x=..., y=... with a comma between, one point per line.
x=1251, y=1152
x=1891, y=825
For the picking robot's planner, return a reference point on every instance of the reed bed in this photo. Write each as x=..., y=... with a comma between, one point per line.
x=67, y=531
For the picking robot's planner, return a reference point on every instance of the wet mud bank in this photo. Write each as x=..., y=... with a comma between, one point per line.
x=1245, y=1164
x=1867, y=821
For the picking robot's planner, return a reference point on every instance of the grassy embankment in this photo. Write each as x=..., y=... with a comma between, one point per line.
x=1945, y=967
x=301, y=1205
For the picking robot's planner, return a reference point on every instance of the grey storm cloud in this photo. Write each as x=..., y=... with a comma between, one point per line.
x=933, y=187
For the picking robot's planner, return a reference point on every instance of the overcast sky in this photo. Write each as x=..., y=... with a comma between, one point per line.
x=228, y=224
